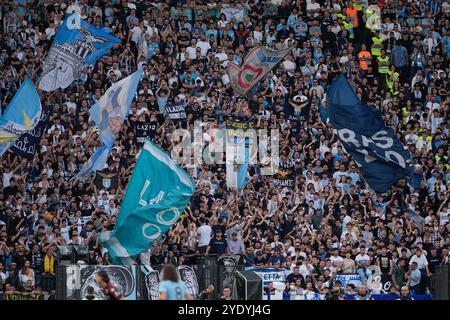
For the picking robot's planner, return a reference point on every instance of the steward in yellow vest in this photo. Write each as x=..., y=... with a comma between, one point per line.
x=347, y=25
x=377, y=45
x=391, y=77
x=383, y=63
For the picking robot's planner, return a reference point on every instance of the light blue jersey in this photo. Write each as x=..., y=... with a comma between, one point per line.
x=174, y=290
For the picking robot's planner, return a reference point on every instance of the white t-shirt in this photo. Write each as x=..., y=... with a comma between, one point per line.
x=191, y=51
x=421, y=261
x=351, y=233
x=288, y=65
x=305, y=270
x=362, y=260
x=204, y=46
x=443, y=217
x=6, y=178
x=336, y=260
x=205, y=233
x=313, y=6
x=137, y=32
x=223, y=57
x=65, y=233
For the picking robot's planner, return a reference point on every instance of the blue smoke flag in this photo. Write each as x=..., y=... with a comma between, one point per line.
x=77, y=45
x=21, y=116
x=380, y=155
x=113, y=107
x=157, y=194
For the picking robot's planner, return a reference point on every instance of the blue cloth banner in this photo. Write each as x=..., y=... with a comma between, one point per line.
x=108, y=114
x=76, y=45
x=157, y=194
x=25, y=145
x=113, y=107
x=95, y=162
x=21, y=116
x=380, y=155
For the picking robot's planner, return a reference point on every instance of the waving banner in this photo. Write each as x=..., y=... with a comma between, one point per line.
x=157, y=194
x=380, y=155
x=108, y=114
x=21, y=116
x=113, y=107
x=77, y=45
x=258, y=62
x=26, y=145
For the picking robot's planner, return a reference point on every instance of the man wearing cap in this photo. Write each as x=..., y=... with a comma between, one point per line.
x=295, y=275
x=235, y=245
x=217, y=245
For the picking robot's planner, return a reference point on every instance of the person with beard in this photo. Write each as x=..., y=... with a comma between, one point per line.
x=405, y=294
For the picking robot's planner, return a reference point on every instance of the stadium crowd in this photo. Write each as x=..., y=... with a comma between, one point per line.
x=321, y=220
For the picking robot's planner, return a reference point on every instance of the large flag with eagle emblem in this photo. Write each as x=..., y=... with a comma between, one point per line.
x=76, y=45
x=258, y=62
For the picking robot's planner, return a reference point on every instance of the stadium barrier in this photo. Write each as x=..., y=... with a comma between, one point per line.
x=141, y=282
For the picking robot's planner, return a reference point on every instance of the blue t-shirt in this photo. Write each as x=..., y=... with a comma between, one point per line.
x=174, y=290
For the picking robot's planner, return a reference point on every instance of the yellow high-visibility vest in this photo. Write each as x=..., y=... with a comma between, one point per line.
x=376, y=47
x=383, y=65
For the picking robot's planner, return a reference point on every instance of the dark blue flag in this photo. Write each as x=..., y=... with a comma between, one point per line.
x=381, y=157
x=25, y=145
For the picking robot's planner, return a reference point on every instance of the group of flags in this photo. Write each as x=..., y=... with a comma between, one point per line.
x=159, y=190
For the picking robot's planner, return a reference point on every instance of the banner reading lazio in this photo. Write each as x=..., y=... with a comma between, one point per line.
x=144, y=130
x=362, y=131
x=21, y=116
x=258, y=62
x=176, y=111
x=157, y=194
x=77, y=45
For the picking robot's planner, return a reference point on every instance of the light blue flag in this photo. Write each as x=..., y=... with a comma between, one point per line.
x=113, y=107
x=21, y=116
x=108, y=114
x=76, y=45
x=157, y=194
x=96, y=162
x=242, y=178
